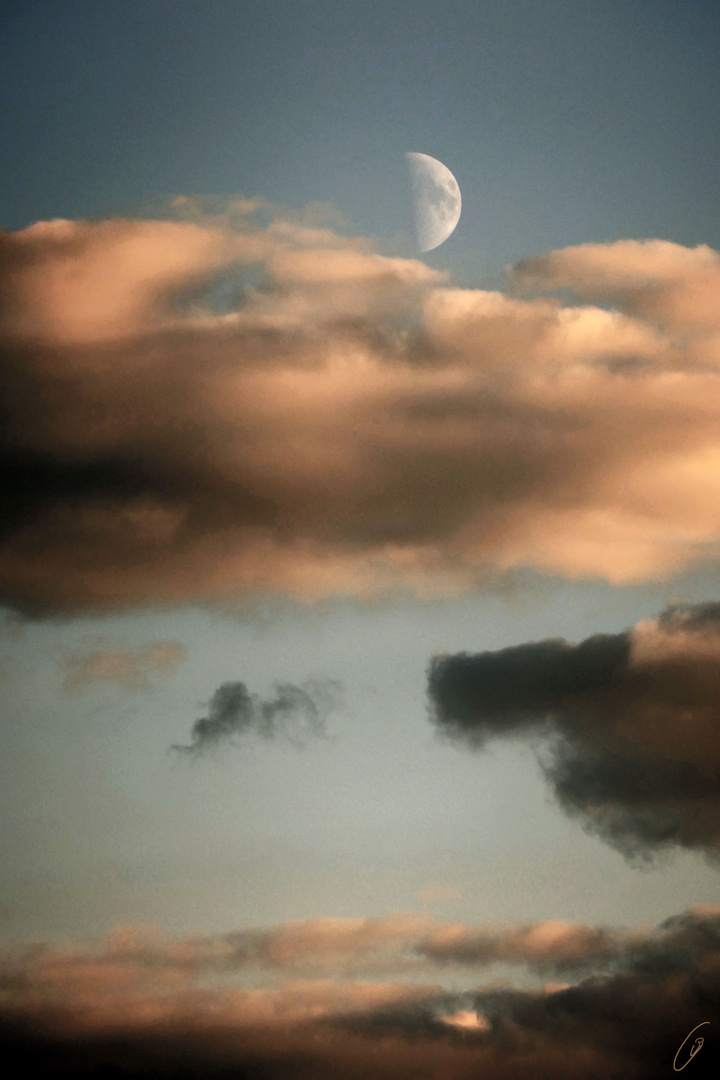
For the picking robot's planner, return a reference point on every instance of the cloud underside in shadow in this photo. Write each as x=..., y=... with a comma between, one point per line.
x=297, y=714
x=628, y=724
x=136, y=1003
x=224, y=405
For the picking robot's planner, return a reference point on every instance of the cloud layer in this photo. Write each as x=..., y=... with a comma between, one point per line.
x=142, y=1003
x=632, y=720
x=242, y=402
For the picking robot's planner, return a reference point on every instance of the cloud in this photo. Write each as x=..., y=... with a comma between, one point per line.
x=633, y=720
x=407, y=943
x=134, y=1004
x=298, y=713
x=554, y=944
x=245, y=402
x=434, y=893
x=134, y=670
x=370, y=945
x=654, y=278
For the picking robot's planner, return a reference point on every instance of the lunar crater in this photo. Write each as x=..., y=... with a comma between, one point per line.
x=436, y=200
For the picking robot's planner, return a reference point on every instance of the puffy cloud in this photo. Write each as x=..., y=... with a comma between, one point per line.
x=633, y=720
x=243, y=402
x=133, y=669
x=104, y=1007
x=619, y=269
x=296, y=712
x=79, y=282
x=656, y=281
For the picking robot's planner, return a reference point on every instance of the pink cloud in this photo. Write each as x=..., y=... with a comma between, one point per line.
x=134, y=669
x=134, y=1003
x=353, y=425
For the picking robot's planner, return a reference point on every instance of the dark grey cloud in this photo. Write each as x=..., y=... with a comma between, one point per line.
x=514, y=689
x=296, y=713
x=630, y=723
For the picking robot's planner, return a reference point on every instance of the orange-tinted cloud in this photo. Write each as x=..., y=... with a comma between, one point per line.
x=403, y=943
x=436, y=893
x=133, y=1005
x=208, y=409
x=544, y=943
x=135, y=669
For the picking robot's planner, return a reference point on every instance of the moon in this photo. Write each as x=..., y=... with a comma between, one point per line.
x=436, y=200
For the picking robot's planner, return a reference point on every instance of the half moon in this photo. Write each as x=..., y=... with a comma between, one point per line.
x=436, y=200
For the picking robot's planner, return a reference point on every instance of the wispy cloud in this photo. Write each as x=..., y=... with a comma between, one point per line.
x=433, y=894
x=631, y=719
x=353, y=423
x=134, y=669
x=295, y=713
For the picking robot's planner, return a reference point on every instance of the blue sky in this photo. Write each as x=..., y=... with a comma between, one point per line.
x=362, y=457
x=564, y=122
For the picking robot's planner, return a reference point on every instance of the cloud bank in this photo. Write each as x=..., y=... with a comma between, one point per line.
x=142, y=1003
x=632, y=720
x=242, y=402
x=296, y=713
